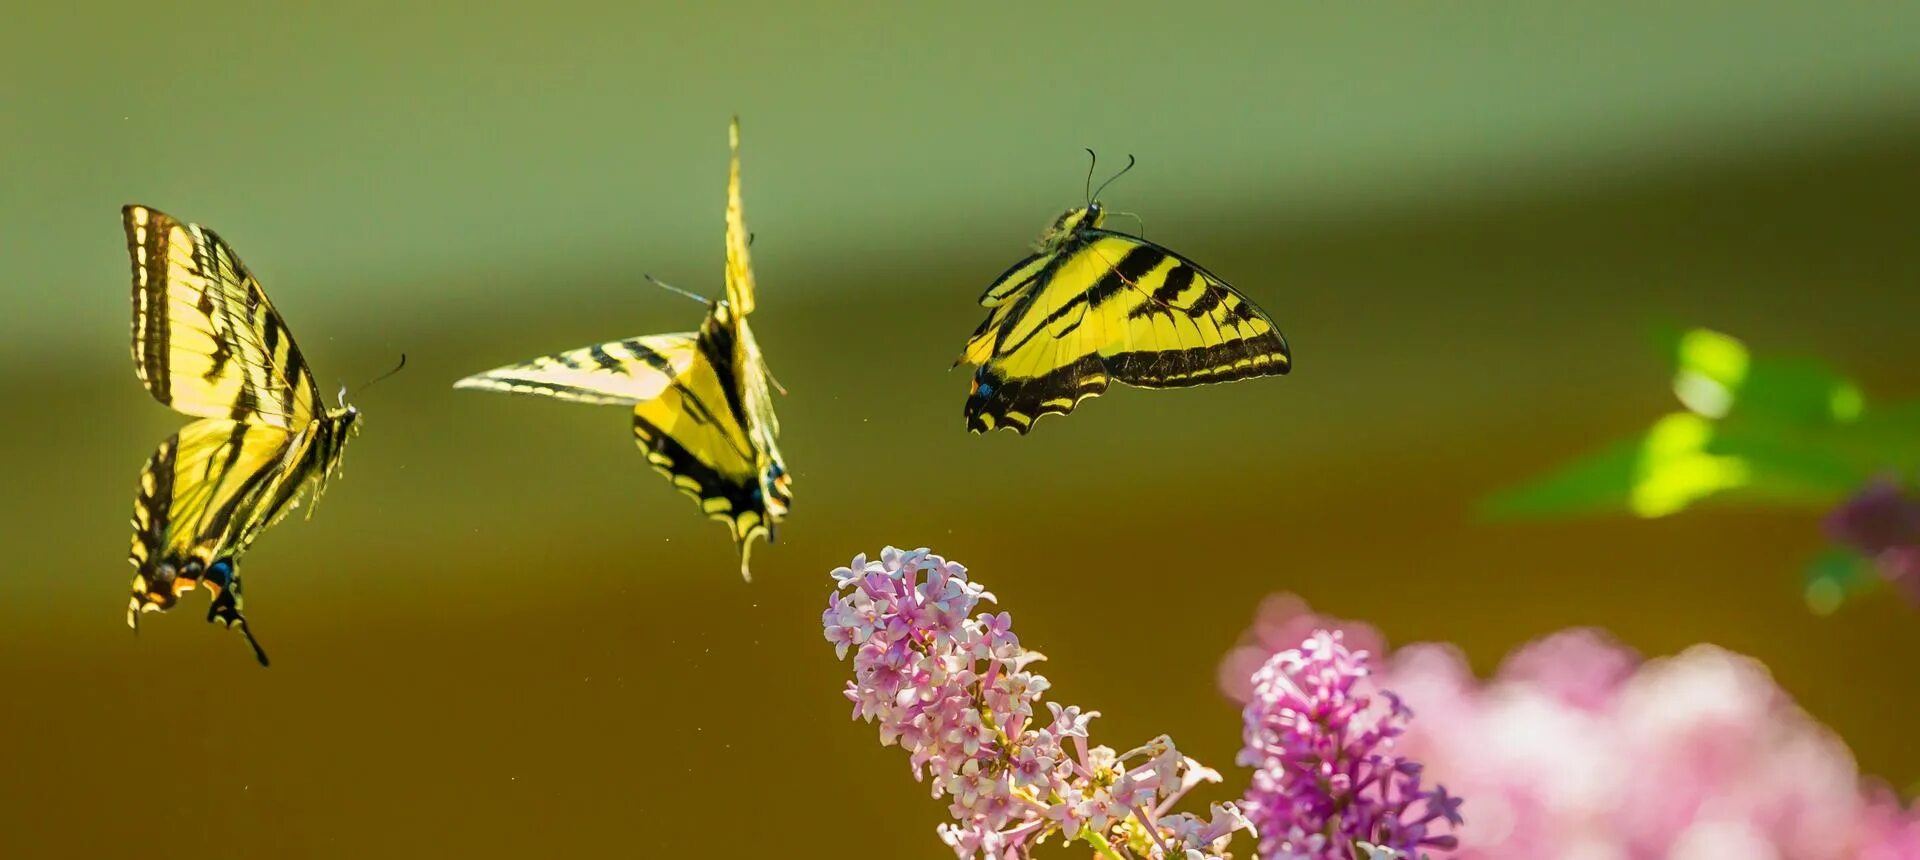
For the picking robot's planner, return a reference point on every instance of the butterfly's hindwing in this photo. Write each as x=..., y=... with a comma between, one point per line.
x=1108, y=306
x=199, y=490
x=204, y=495
x=1011, y=284
x=152, y=516
x=697, y=434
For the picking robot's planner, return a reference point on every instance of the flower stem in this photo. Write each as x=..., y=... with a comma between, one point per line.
x=1101, y=846
x=1152, y=828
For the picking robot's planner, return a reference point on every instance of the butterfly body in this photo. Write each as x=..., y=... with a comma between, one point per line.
x=702, y=401
x=1091, y=306
x=207, y=342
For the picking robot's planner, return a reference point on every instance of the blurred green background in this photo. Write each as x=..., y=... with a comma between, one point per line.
x=504, y=636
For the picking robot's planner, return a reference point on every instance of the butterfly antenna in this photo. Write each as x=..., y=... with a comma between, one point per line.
x=671, y=288
x=1103, y=185
x=369, y=383
x=1092, y=160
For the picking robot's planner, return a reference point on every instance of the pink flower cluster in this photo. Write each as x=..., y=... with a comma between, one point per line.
x=1577, y=747
x=1327, y=783
x=953, y=689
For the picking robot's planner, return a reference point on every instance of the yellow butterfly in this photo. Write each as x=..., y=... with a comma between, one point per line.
x=208, y=343
x=1092, y=305
x=702, y=405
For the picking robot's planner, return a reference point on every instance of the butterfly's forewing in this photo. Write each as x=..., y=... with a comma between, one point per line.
x=754, y=382
x=739, y=262
x=1107, y=306
x=621, y=371
x=206, y=341
x=1187, y=326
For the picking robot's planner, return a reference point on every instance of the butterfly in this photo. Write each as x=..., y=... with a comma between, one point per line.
x=1093, y=305
x=208, y=343
x=702, y=402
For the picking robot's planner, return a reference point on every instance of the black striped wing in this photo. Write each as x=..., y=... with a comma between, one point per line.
x=739, y=260
x=1108, y=306
x=205, y=339
x=713, y=435
x=206, y=492
x=623, y=371
x=688, y=416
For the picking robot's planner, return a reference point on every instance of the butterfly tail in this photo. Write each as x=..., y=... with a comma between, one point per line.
x=226, y=610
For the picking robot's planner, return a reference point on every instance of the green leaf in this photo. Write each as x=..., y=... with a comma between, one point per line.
x=1716, y=376
x=1757, y=430
x=1798, y=391
x=1709, y=369
x=1660, y=473
x=1788, y=467
x=1677, y=466
x=1595, y=484
x=1887, y=438
x=1682, y=460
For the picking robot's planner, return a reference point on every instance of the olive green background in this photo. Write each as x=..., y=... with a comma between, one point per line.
x=504, y=636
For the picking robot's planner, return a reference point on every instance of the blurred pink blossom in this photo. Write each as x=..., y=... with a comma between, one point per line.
x=1579, y=748
x=1282, y=622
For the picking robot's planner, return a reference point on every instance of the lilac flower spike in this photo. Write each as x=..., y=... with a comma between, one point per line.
x=952, y=688
x=1326, y=784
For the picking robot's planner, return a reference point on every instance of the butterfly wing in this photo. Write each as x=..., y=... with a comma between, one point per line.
x=204, y=495
x=755, y=385
x=1013, y=282
x=1109, y=306
x=205, y=339
x=688, y=414
x=739, y=263
x=622, y=371
x=712, y=435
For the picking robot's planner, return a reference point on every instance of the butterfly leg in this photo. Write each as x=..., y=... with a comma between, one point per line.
x=224, y=582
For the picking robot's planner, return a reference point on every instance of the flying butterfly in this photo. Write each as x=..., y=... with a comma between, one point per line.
x=1093, y=305
x=702, y=402
x=207, y=342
